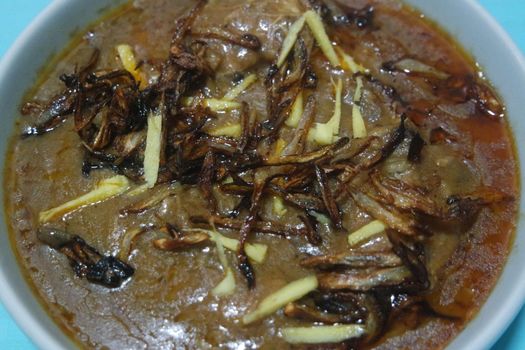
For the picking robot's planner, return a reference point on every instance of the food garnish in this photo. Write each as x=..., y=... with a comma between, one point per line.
x=127, y=57
x=153, y=149
x=85, y=260
x=227, y=285
x=104, y=189
x=358, y=123
x=316, y=25
x=327, y=133
x=366, y=232
x=321, y=334
x=291, y=292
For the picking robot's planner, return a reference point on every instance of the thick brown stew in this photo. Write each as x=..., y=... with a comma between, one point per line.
x=184, y=160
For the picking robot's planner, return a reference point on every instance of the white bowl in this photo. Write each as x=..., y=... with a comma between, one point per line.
x=464, y=19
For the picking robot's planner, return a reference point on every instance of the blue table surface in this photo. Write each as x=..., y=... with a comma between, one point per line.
x=15, y=15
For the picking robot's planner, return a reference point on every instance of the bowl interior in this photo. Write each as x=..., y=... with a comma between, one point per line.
x=504, y=65
x=47, y=35
x=464, y=19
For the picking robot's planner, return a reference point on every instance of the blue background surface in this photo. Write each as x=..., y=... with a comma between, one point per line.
x=15, y=15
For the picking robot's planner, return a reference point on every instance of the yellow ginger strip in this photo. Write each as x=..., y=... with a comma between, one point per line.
x=214, y=236
x=335, y=121
x=349, y=64
x=290, y=40
x=227, y=180
x=255, y=251
x=240, y=88
x=358, y=123
x=296, y=113
x=326, y=133
x=226, y=103
x=278, y=206
x=218, y=105
x=321, y=218
x=289, y=293
x=215, y=104
x=127, y=57
x=315, y=23
x=104, y=189
x=321, y=334
x=153, y=145
x=366, y=232
x=227, y=285
x=230, y=130
x=278, y=149
x=280, y=145
x=322, y=134
x=137, y=190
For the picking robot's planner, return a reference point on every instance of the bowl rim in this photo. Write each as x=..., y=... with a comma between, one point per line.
x=42, y=338
x=514, y=300
x=11, y=300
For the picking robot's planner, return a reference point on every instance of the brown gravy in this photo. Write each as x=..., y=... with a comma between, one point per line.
x=167, y=302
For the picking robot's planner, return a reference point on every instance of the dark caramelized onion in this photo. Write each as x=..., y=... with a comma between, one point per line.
x=87, y=262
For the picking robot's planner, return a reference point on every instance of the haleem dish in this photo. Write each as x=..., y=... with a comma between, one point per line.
x=265, y=174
